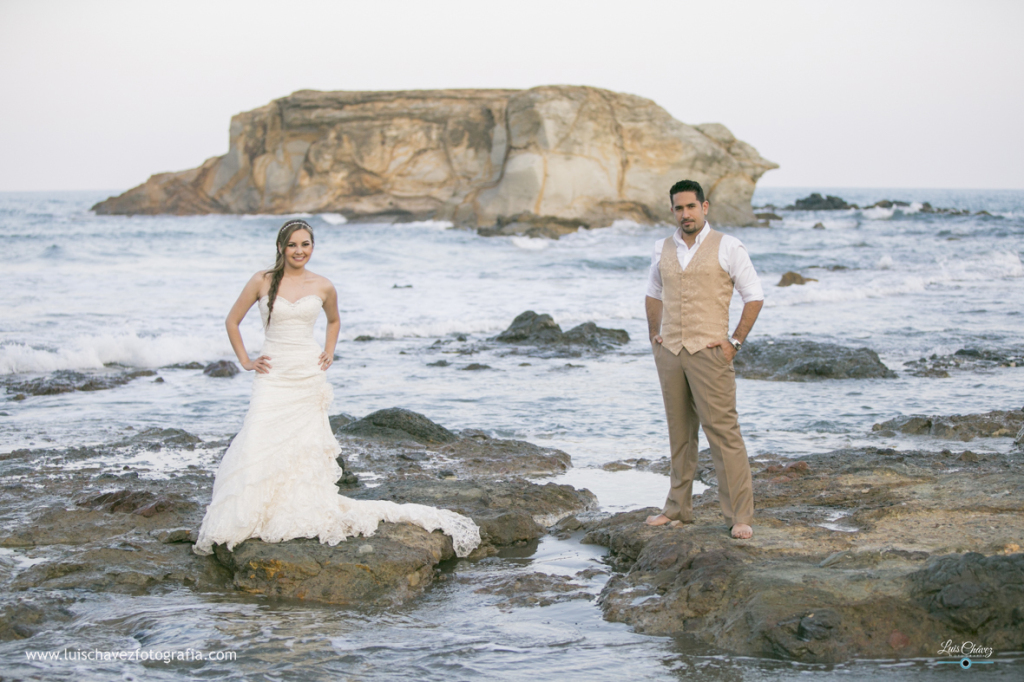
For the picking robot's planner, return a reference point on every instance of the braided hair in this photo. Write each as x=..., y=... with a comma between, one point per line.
x=277, y=272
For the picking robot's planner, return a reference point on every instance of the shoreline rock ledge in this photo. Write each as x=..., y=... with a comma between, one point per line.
x=478, y=158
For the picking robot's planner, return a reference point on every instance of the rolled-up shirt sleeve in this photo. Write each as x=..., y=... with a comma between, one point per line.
x=742, y=272
x=654, y=285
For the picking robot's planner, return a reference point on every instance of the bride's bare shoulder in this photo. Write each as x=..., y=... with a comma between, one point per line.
x=258, y=283
x=323, y=285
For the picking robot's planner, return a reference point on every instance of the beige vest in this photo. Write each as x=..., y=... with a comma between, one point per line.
x=695, y=301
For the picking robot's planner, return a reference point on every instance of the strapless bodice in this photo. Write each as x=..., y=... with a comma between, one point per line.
x=291, y=323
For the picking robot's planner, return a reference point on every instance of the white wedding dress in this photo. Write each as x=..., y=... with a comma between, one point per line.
x=276, y=480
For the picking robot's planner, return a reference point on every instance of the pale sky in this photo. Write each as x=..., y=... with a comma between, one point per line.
x=914, y=93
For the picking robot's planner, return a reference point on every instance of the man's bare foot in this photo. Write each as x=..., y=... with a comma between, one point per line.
x=742, y=531
x=659, y=520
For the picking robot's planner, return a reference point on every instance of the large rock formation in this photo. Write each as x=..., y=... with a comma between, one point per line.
x=475, y=157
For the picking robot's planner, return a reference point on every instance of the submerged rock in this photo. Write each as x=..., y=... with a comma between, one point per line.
x=783, y=360
x=963, y=427
x=66, y=381
x=26, y=617
x=532, y=589
x=863, y=553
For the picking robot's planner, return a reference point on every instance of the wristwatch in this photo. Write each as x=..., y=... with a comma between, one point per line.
x=735, y=344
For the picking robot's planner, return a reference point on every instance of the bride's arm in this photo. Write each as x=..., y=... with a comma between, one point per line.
x=250, y=294
x=333, y=328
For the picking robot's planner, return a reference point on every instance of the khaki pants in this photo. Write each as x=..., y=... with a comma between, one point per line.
x=701, y=389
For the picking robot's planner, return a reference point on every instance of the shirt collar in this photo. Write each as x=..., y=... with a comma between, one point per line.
x=678, y=236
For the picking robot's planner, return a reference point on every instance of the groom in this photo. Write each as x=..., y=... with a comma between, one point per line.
x=692, y=277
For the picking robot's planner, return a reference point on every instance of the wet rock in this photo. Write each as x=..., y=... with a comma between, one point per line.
x=395, y=423
x=439, y=363
x=888, y=203
x=169, y=535
x=531, y=329
x=473, y=455
x=818, y=226
x=474, y=367
x=508, y=512
x=141, y=502
x=963, y=427
x=221, y=368
x=807, y=361
x=589, y=334
x=928, y=208
x=768, y=215
x=66, y=381
x=186, y=365
x=977, y=594
x=790, y=278
x=801, y=590
x=481, y=455
x=815, y=202
x=965, y=359
x=662, y=465
x=339, y=420
x=399, y=565
x=154, y=439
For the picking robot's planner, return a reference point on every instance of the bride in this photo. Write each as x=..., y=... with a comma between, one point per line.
x=276, y=480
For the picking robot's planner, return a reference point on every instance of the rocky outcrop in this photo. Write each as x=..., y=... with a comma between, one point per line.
x=962, y=427
x=396, y=423
x=66, y=381
x=117, y=531
x=391, y=566
x=783, y=360
x=790, y=278
x=856, y=553
x=554, y=156
x=398, y=561
x=815, y=202
x=221, y=369
x=400, y=444
x=531, y=329
x=965, y=359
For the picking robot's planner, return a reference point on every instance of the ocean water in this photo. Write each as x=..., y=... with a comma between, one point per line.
x=87, y=292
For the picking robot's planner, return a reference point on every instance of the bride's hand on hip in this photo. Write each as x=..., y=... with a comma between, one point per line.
x=325, y=361
x=260, y=364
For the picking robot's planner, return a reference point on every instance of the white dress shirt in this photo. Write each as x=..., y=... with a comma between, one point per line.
x=732, y=256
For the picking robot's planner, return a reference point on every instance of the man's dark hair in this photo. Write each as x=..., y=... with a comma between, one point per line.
x=687, y=186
